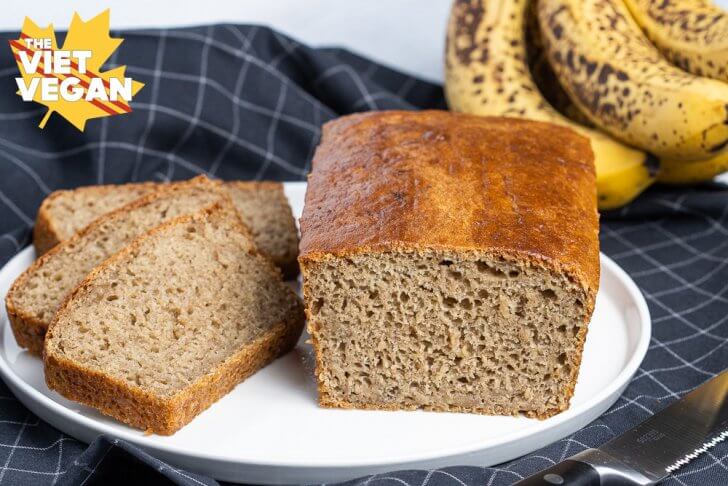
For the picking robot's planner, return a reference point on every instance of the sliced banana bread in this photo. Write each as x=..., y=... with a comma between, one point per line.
x=265, y=211
x=65, y=212
x=262, y=205
x=164, y=328
x=39, y=291
x=450, y=262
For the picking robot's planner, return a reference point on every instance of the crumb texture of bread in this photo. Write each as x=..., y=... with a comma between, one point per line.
x=66, y=212
x=262, y=205
x=265, y=210
x=450, y=262
x=36, y=295
x=169, y=325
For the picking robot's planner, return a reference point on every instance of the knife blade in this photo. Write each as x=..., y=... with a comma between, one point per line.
x=653, y=449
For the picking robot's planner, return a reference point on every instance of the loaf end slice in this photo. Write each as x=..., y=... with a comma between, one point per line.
x=65, y=212
x=170, y=324
x=262, y=205
x=264, y=209
x=35, y=295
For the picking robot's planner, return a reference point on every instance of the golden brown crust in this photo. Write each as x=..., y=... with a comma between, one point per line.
x=138, y=408
x=46, y=235
x=143, y=410
x=29, y=332
x=411, y=180
x=520, y=190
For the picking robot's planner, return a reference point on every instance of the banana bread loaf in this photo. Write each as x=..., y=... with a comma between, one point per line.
x=450, y=262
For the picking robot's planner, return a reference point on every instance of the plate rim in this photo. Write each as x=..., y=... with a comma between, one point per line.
x=616, y=386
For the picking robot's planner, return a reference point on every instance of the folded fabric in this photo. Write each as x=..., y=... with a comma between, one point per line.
x=245, y=102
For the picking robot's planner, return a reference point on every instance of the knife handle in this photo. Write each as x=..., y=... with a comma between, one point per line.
x=565, y=473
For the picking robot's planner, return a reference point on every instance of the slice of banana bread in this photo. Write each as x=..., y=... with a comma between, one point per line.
x=164, y=328
x=35, y=296
x=63, y=213
x=265, y=211
x=450, y=262
x=262, y=204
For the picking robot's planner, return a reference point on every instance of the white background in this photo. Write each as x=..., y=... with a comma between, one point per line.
x=406, y=34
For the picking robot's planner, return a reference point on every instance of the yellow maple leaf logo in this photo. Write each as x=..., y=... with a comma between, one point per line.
x=69, y=80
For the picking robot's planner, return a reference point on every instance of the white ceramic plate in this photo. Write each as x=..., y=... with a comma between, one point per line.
x=270, y=430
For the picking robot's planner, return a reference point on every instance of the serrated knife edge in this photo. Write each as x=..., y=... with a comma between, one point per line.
x=697, y=452
x=652, y=450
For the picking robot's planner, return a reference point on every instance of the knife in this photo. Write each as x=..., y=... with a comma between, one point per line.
x=652, y=450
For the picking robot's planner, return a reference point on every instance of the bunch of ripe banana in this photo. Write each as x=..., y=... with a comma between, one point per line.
x=634, y=76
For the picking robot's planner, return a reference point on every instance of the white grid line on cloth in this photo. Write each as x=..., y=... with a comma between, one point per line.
x=242, y=55
x=102, y=135
x=697, y=257
x=700, y=332
x=117, y=145
x=372, y=98
x=716, y=296
x=686, y=364
x=92, y=471
x=8, y=71
x=101, y=163
x=657, y=245
x=178, y=471
x=289, y=50
x=445, y=473
x=247, y=41
x=707, y=275
x=672, y=314
x=719, y=462
x=716, y=225
x=282, y=163
x=234, y=98
x=406, y=87
x=342, y=68
x=34, y=448
x=15, y=209
x=271, y=139
x=239, y=83
x=667, y=271
x=195, y=119
x=679, y=240
x=313, y=142
x=21, y=115
x=12, y=239
x=13, y=449
x=28, y=170
x=59, y=463
x=158, y=62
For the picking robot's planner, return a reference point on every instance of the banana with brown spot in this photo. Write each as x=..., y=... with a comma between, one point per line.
x=623, y=84
x=486, y=74
x=672, y=171
x=692, y=34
